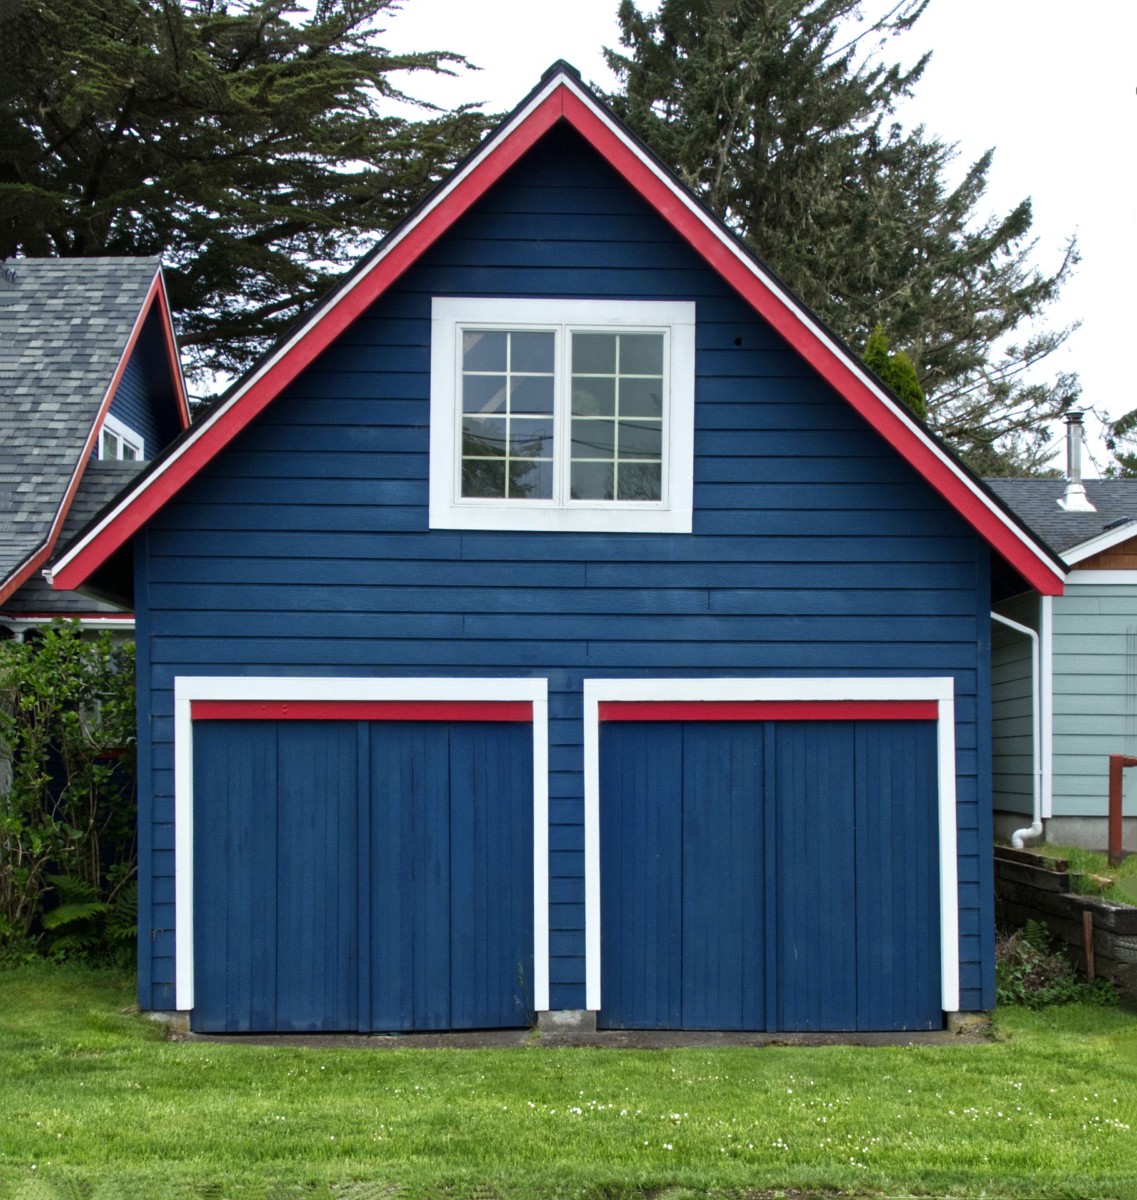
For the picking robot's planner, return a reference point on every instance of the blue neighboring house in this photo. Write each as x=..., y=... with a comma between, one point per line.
x=560, y=621
x=90, y=388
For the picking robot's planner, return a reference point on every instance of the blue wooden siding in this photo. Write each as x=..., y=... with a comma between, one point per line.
x=304, y=548
x=362, y=877
x=145, y=399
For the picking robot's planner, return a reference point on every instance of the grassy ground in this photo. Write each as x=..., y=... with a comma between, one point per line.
x=94, y=1105
x=1087, y=863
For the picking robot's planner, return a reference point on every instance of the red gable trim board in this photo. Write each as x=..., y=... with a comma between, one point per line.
x=563, y=98
x=156, y=296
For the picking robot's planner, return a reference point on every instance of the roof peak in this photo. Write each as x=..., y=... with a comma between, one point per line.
x=561, y=67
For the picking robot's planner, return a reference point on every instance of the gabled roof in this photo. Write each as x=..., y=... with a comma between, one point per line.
x=1073, y=535
x=67, y=328
x=561, y=96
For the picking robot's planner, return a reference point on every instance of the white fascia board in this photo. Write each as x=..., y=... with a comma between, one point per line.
x=1099, y=577
x=187, y=689
x=938, y=688
x=199, y=429
x=811, y=323
x=1102, y=541
x=726, y=240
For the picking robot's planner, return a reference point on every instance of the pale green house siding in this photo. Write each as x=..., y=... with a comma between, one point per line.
x=1095, y=694
x=1010, y=703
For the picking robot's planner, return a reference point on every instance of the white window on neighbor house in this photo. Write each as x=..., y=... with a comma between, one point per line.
x=118, y=441
x=562, y=414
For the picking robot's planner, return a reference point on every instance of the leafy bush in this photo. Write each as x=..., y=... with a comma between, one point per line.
x=67, y=794
x=1030, y=972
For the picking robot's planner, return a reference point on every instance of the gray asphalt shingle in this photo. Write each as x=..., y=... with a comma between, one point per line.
x=1035, y=501
x=64, y=324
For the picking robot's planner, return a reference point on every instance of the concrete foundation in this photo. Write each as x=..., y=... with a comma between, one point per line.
x=967, y=1023
x=567, y=1020
x=1088, y=833
x=175, y=1022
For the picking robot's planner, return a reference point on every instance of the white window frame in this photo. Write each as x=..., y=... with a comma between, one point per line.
x=126, y=437
x=450, y=510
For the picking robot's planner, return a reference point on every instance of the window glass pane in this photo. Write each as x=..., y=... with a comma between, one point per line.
x=594, y=439
x=640, y=439
x=483, y=393
x=592, y=481
x=531, y=394
x=531, y=479
x=593, y=353
x=641, y=354
x=531, y=437
x=641, y=397
x=531, y=351
x=483, y=436
x=483, y=478
x=129, y=452
x=639, y=481
x=593, y=397
x=483, y=350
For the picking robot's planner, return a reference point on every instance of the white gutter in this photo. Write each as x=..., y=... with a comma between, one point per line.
x=1035, y=829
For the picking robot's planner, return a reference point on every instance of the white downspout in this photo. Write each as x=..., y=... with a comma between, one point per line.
x=1035, y=829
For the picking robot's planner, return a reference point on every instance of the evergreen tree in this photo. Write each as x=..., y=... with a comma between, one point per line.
x=253, y=148
x=783, y=122
x=894, y=369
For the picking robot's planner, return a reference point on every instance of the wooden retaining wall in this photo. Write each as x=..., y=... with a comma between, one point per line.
x=1031, y=887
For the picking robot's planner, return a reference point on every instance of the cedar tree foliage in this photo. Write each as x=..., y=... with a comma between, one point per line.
x=252, y=144
x=779, y=114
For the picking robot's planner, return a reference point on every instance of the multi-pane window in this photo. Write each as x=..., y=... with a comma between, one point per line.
x=562, y=414
x=119, y=441
x=508, y=380
x=612, y=415
x=617, y=416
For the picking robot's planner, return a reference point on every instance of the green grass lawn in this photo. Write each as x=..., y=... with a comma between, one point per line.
x=1087, y=866
x=95, y=1105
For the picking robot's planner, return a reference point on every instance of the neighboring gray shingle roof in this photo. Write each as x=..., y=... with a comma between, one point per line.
x=64, y=324
x=101, y=482
x=1035, y=501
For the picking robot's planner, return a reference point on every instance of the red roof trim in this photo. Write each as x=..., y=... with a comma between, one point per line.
x=769, y=710
x=516, y=711
x=833, y=366
x=172, y=355
x=561, y=99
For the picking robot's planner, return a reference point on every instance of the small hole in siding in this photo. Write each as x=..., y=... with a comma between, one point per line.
x=738, y=341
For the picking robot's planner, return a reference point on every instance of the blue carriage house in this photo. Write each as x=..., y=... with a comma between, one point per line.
x=561, y=622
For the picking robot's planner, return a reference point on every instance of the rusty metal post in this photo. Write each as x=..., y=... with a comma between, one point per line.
x=1088, y=942
x=1117, y=763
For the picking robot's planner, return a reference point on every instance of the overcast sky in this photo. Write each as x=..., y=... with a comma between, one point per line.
x=1052, y=85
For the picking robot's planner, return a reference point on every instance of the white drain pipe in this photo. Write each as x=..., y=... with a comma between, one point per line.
x=1035, y=830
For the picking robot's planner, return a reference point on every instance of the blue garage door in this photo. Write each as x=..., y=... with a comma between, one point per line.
x=358, y=875
x=777, y=875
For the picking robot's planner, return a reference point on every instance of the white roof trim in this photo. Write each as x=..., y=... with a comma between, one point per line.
x=1099, y=542
x=559, y=79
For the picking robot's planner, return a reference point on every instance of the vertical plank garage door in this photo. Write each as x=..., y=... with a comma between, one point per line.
x=362, y=874
x=768, y=874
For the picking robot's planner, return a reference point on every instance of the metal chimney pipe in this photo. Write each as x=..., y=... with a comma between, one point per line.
x=1075, y=498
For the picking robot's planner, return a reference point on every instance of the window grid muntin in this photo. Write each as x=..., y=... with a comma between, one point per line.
x=562, y=413
x=616, y=419
x=507, y=458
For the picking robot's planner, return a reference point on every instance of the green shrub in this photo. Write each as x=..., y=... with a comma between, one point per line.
x=1030, y=972
x=67, y=794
